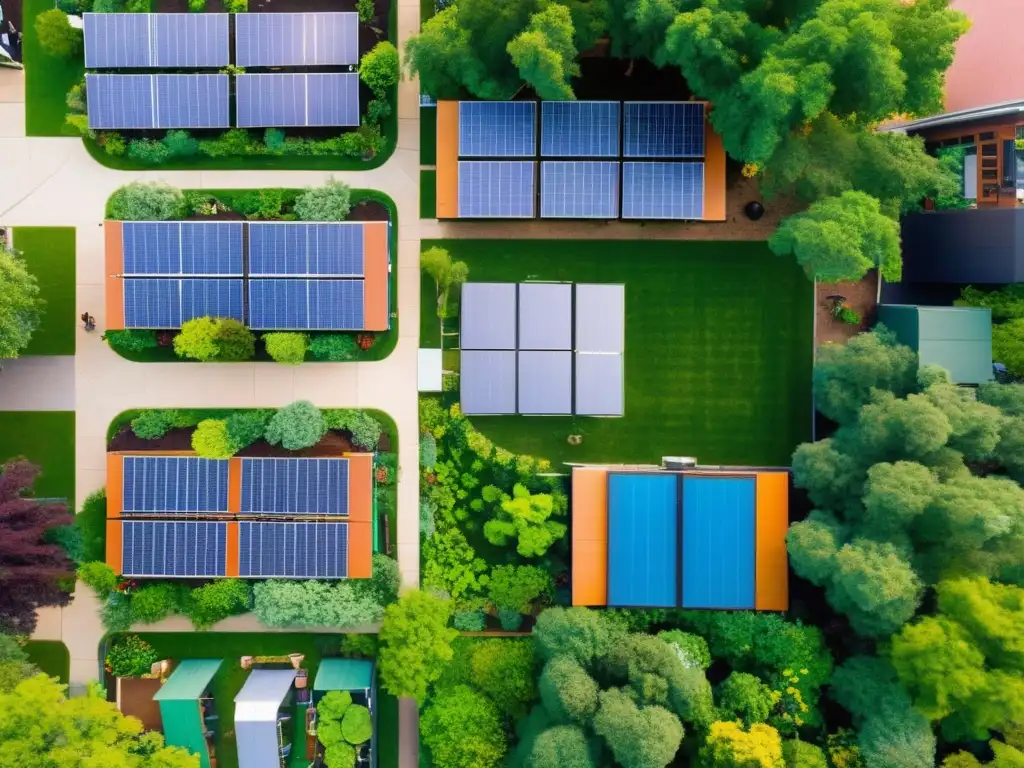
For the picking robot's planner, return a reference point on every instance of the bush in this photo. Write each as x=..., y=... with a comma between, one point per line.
x=355, y=726
x=384, y=582
x=336, y=347
x=91, y=521
x=155, y=602
x=56, y=35
x=211, y=440
x=333, y=705
x=279, y=603
x=428, y=451
x=365, y=10
x=260, y=203
x=234, y=341
x=379, y=68
x=131, y=656
x=246, y=427
x=691, y=649
x=377, y=110
x=148, y=151
x=218, y=600
x=510, y=620
x=296, y=426
x=151, y=424
x=470, y=621
x=76, y=99
x=113, y=143
x=107, y=6
x=515, y=587
x=146, y=201
x=359, y=646
x=237, y=141
x=340, y=756
x=131, y=340
x=180, y=143
x=504, y=670
x=329, y=733
x=462, y=729
x=273, y=140
x=331, y=202
x=286, y=348
x=197, y=6
x=366, y=430
x=221, y=339
x=100, y=577
x=236, y=6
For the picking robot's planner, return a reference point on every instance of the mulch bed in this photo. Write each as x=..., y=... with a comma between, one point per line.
x=861, y=296
x=334, y=443
x=137, y=701
x=369, y=210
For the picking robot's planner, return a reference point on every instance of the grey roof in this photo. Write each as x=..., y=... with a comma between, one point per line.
x=545, y=316
x=256, y=707
x=960, y=116
x=545, y=383
x=600, y=317
x=266, y=686
x=488, y=382
x=599, y=390
x=488, y=314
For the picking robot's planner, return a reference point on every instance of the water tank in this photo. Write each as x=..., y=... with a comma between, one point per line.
x=678, y=462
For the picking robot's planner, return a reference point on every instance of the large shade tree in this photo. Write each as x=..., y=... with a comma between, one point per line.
x=20, y=306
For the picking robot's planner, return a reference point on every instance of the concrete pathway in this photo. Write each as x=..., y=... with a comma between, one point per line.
x=38, y=383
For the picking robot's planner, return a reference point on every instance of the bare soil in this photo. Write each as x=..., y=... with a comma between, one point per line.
x=860, y=297
x=137, y=701
x=369, y=210
x=334, y=443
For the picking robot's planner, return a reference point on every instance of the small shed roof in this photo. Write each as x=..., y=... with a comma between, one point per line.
x=958, y=339
x=189, y=680
x=344, y=675
x=429, y=372
x=262, y=694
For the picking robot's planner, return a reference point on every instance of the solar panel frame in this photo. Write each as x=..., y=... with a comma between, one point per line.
x=663, y=190
x=667, y=129
x=545, y=316
x=309, y=305
x=173, y=485
x=579, y=189
x=295, y=486
x=487, y=313
x=579, y=128
x=173, y=549
x=192, y=101
x=599, y=384
x=497, y=189
x=120, y=101
x=332, y=249
x=296, y=39
x=487, y=382
x=293, y=550
x=497, y=129
x=544, y=383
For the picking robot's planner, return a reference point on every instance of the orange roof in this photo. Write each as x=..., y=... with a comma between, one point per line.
x=985, y=71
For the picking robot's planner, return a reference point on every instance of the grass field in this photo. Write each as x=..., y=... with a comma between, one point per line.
x=428, y=194
x=47, y=79
x=47, y=439
x=718, y=349
x=428, y=135
x=51, y=656
x=228, y=682
x=50, y=253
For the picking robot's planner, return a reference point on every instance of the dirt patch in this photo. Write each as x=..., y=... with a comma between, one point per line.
x=861, y=297
x=334, y=443
x=369, y=210
x=135, y=698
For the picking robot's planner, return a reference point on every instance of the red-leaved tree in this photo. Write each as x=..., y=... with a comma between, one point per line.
x=31, y=570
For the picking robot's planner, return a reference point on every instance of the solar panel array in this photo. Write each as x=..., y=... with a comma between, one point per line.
x=497, y=129
x=579, y=129
x=306, y=305
x=285, y=248
x=157, y=101
x=293, y=550
x=295, y=486
x=182, y=248
x=496, y=189
x=296, y=39
x=663, y=129
x=662, y=190
x=579, y=190
x=289, y=100
x=167, y=302
x=174, y=484
x=141, y=40
x=180, y=549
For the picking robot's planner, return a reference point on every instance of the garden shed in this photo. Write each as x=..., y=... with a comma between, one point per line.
x=358, y=677
x=260, y=725
x=957, y=338
x=186, y=707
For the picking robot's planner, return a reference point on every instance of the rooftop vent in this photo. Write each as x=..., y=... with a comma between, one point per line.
x=678, y=462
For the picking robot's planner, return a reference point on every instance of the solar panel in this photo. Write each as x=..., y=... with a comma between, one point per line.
x=211, y=298
x=545, y=316
x=173, y=549
x=296, y=39
x=579, y=190
x=171, y=40
x=312, y=305
x=297, y=100
x=293, y=550
x=120, y=101
x=579, y=128
x=182, y=248
x=545, y=383
x=487, y=382
x=332, y=99
x=286, y=248
x=488, y=316
x=600, y=317
x=192, y=101
x=122, y=40
x=662, y=190
x=663, y=129
x=295, y=486
x=497, y=129
x=599, y=384
x=174, y=484
x=496, y=189
x=163, y=303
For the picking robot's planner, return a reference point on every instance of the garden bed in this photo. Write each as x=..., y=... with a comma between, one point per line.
x=861, y=299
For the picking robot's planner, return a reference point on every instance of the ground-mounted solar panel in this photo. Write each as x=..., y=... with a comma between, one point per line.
x=296, y=39
x=600, y=317
x=497, y=129
x=169, y=40
x=545, y=383
x=496, y=189
x=165, y=484
x=662, y=190
x=545, y=316
x=487, y=313
x=663, y=129
x=579, y=129
x=309, y=305
x=293, y=550
x=173, y=549
x=182, y=248
x=165, y=303
x=332, y=99
x=295, y=486
x=266, y=101
x=487, y=382
x=121, y=40
x=120, y=101
x=286, y=248
x=599, y=384
x=579, y=190
x=192, y=101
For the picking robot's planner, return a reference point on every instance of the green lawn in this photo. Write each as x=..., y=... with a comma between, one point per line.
x=46, y=438
x=428, y=194
x=50, y=253
x=51, y=656
x=47, y=79
x=428, y=135
x=718, y=349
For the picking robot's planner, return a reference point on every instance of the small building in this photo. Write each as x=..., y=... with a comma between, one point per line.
x=186, y=707
x=358, y=677
x=263, y=722
x=977, y=247
x=958, y=339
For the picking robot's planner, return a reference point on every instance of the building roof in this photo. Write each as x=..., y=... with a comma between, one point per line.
x=958, y=339
x=189, y=680
x=262, y=694
x=344, y=675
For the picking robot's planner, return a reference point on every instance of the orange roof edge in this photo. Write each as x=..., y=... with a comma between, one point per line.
x=113, y=265
x=376, y=285
x=360, y=550
x=114, y=550
x=360, y=487
x=447, y=160
x=233, y=551
x=772, y=570
x=714, y=174
x=115, y=484
x=234, y=485
x=590, y=536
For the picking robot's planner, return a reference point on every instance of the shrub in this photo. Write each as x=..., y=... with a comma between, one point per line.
x=385, y=468
x=260, y=203
x=99, y=576
x=273, y=140
x=516, y=587
x=79, y=124
x=113, y=143
x=217, y=600
x=331, y=202
x=428, y=451
x=131, y=656
x=146, y=201
x=211, y=440
x=148, y=151
x=286, y=348
x=236, y=6
x=151, y=424
x=850, y=316
x=384, y=582
x=377, y=110
x=221, y=339
x=278, y=603
x=365, y=10
x=76, y=100
x=56, y=35
x=503, y=669
x=510, y=620
x=131, y=340
x=180, y=143
x=107, y=6
x=237, y=141
x=155, y=602
x=336, y=347
x=246, y=427
x=340, y=756
x=296, y=426
x=91, y=521
x=197, y=6
x=462, y=729
x=69, y=6
x=359, y=646
x=470, y=621
x=691, y=649
x=234, y=341
x=355, y=726
x=329, y=733
x=333, y=705
x=379, y=68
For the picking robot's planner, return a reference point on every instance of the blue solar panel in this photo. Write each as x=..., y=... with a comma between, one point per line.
x=295, y=486
x=579, y=190
x=173, y=549
x=497, y=129
x=122, y=40
x=182, y=248
x=579, y=129
x=192, y=101
x=334, y=249
x=332, y=99
x=211, y=298
x=296, y=39
x=311, y=305
x=120, y=101
x=496, y=189
x=642, y=540
x=293, y=550
x=174, y=484
x=162, y=303
x=172, y=40
x=662, y=190
x=152, y=247
x=270, y=100
x=664, y=129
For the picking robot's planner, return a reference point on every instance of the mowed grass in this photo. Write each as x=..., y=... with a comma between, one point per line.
x=718, y=349
x=50, y=254
x=428, y=194
x=51, y=656
x=428, y=135
x=47, y=439
x=47, y=78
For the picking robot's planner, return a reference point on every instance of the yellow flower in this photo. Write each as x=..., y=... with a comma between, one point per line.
x=787, y=672
x=794, y=679
x=805, y=671
x=791, y=690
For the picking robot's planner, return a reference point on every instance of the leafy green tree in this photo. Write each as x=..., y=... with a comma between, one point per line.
x=14, y=664
x=582, y=634
x=841, y=238
x=568, y=693
x=637, y=738
x=146, y=201
x=1005, y=756
x=298, y=425
x=379, y=68
x=742, y=696
x=218, y=600
x=504, y=670
x=525, y=517
x=1009, y=398
x=545, y=55
x=356, y=726
x=563, y=746
x=692, y=649
x=638, y=28
x=462, y=729
x=447, y=275
x=246, y=427
x=56, y=35
x=518, y=586
x=211, y=440
x=330, y=202
x=1007, y=303
x=415, y=644
x=801, y=754
x=728, y=746
x=976, y=425
x=285, y=347
x=451, y=565
x=20, y=306
x=895, y=496
x=1008, y=345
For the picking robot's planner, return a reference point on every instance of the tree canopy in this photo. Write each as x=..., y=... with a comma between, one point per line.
x=415, y=644
x=20, y=306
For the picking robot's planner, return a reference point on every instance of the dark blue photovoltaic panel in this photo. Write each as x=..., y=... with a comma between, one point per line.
x=173, y=549
x=579, y=190
x=174, y=484
x=293, y=550
x=152, y=247
x=579, y=128
x=267, y=101
x=168, y=40
x=296, y=39
x=310, y=305
x=182, y=248
x=192, y=101
x=662, y=190
x=497, y=129
x=120, y=101
x=162, y=303
x=211, y=298
x=333, y=249
x=121, y=40
x=496, y=189
x=664, y=129
x=332, y=99
x=295, y=486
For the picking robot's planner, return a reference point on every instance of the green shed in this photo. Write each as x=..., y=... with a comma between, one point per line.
x=357, y=677
x=957, y=338
x=184, y=718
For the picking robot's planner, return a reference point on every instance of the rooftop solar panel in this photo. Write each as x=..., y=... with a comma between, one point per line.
x=332, y=99
x=311, y=305
x=487, y=382
x=295, y=486
x=545, y=316
x=327, y=250
x=296, y=39
x=496, y=189
x=182, y=248
x=151, y=548
x=600, y=317
x=211, y=298
x=192, y=101
x=663, y=129
x=293, y=550
x=270, y=100
x=174, y=484
x=163, y=303
x=120, y=40
x=120, y=101
x=488, y=316
x=140, y=40
x=579, y=129
x=545, y=383
x=497, y=129
x=599, y=385
x=662, y=190
x=579, y=190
